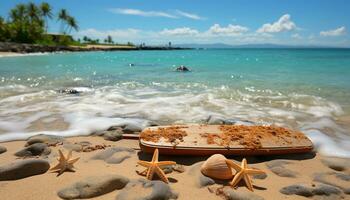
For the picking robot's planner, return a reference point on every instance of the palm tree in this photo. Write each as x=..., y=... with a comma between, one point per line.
x=46, y=12
x=109, y=39
x=62, y=16
x=33, y=12
x=72, y=24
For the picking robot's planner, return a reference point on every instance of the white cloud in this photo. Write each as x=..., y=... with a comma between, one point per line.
x=216, y=29
x=189, y=15
x=296, y=36
x=128, y=11
x=185, y=31
x=335, y=32
x=284, y=23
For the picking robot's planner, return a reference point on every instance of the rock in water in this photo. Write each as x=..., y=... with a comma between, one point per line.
x=146, y=190
x=2, y=149
x=47, y=139
x=182, y=68
x=37, y=149
x=93, y=186
x=114, y=155
x=23, y=168
x=113, y=135
x=69, y=91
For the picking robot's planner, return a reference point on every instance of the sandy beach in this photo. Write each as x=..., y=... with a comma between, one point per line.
x=313, y=175
x=9, y=54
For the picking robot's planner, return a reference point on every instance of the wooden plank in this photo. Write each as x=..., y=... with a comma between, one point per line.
x=225, y=139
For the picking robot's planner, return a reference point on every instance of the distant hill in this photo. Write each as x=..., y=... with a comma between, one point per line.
x=227, y=46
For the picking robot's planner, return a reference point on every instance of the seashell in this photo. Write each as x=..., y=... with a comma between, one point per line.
x=216, y=167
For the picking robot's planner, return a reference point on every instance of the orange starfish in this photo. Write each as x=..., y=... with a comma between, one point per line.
x=64, y=164
x=154, y=167
x=243, y=172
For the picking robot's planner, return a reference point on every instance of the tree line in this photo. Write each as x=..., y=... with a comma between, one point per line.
x=28, y=23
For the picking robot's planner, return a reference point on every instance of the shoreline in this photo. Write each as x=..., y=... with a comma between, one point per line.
x=8, y=48
x=305, y=170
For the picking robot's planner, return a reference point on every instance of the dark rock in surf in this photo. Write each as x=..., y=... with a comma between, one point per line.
x=69, y=91
x=182, y=68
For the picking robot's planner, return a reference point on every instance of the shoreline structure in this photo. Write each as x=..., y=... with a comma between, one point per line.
x=36, y=48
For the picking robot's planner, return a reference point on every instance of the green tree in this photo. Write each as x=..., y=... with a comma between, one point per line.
x=62, y=16
x=72, y=24
x=109, y=39
x=46, y=12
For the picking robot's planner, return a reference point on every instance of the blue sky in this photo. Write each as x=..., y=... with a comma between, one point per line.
x=295, y=22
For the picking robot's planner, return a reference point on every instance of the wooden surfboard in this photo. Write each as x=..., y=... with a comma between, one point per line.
x=224, y=139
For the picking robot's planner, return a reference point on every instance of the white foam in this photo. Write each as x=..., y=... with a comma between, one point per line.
x=97, y=109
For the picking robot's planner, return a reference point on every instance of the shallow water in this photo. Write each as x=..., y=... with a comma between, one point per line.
x=305, y=89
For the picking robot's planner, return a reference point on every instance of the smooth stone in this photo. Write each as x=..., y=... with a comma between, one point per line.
x=73, y=147
x=47, y=139
x=260, y=176
x=307, y=191
x=2, y=149
x=128, y=128
x=37, y=149
x=335, y=179
x=113, y=135
x=93, y=186
x=23, y=168
x=114, y=155
x=146, y=190
x=231, y=194
x=278, y=167
x=132, y=128
x=215, y=120
x=338, y=164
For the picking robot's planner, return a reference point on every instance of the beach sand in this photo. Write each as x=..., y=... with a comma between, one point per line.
x=9, y=54
x=186, y=185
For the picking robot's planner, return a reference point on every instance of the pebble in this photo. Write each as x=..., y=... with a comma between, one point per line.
x=335, y=179
x=93, y=186
x=50, y=140
x=231, y=194
x=36, y=149
x=279, y=168
x=310, y=191
x=23, y=168
x=142, y=189
x=113, y=135
x=114, y=155
x=2, y=149
x=338, y=164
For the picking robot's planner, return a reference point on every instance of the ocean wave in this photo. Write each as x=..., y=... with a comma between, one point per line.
x=96, y=109
x=24, y=54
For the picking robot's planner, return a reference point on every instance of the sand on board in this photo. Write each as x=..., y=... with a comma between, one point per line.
x=197, y=139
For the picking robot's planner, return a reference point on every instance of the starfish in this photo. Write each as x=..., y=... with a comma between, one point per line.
x=243, y=172
x=64, y=163
x=154, y=167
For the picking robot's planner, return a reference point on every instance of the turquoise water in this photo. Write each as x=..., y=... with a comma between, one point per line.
x=307, y=89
